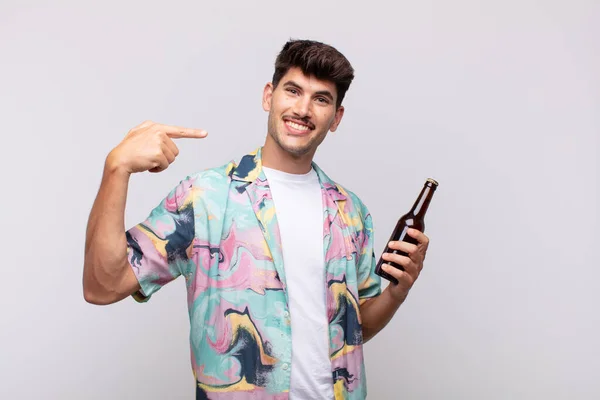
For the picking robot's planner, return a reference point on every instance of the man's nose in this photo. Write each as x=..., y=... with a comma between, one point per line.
x=302, y=107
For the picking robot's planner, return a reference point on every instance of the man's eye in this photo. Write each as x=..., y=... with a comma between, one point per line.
x=322, y=100
x=292, y=91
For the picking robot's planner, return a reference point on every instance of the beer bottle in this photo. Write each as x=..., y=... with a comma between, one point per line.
x=415, y=219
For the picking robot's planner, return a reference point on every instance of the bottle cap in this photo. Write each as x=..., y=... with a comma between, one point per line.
x=433, y=181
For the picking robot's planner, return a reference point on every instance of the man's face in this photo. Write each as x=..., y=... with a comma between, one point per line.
x=302, y=109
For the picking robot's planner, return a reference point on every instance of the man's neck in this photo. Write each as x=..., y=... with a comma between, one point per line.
x=275, y=157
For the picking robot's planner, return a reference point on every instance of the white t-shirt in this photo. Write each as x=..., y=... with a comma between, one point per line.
x=299, y=210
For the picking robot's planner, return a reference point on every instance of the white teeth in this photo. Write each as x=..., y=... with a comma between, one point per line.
x=297, y=126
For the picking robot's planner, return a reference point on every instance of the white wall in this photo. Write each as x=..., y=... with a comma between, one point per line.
x=499, y=101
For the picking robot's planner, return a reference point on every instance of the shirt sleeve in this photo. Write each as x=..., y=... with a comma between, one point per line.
x=369, y=283
x=159, y=248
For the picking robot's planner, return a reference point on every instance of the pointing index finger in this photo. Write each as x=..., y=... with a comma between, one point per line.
x=177, y=132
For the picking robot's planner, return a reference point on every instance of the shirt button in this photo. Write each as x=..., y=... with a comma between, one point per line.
x=286, y=314
x=285, y=366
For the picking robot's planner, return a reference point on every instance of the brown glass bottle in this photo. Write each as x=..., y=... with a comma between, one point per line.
x=415, y=219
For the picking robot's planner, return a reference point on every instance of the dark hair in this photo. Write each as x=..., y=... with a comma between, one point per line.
x=317, y=59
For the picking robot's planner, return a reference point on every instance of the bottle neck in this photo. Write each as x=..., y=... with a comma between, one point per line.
x=422, y=203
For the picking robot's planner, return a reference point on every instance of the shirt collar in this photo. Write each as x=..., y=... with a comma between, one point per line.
x=250, y=170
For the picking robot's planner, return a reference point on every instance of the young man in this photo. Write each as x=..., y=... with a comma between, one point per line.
x=278, y=258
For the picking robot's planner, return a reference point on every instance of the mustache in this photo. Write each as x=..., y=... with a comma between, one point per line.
x=306, y=121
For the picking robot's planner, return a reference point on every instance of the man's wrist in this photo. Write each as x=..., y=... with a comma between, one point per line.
x=113, y=166
x=392, y=298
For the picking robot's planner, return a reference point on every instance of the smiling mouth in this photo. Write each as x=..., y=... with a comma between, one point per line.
x=298, y=126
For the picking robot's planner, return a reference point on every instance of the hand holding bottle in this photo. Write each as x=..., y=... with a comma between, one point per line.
x=402, y=259
x=410, y=258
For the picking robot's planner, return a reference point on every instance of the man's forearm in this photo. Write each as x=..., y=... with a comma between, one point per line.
x=106, y=246
x=377, y=312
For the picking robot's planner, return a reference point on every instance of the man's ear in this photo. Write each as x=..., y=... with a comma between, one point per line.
x=267, y=96
x=337, y=119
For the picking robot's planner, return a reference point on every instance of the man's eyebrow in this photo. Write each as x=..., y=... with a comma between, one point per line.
x=325, y=93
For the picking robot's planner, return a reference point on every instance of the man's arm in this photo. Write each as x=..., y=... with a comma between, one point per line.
x=378, y=311
x=107, y=275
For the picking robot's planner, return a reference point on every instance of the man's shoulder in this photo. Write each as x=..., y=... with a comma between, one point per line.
x=211, y=176
x=356, y=202
x=350, y=195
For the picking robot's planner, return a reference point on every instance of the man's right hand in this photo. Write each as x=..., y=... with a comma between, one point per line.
x=149, y=147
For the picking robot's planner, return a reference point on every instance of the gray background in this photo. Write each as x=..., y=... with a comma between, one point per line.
x=499, y=101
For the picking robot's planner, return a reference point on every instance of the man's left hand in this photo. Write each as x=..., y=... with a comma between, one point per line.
x=413, y=264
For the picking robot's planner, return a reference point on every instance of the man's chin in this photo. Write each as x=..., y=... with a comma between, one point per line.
x=293, y=149
x=297, y=151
